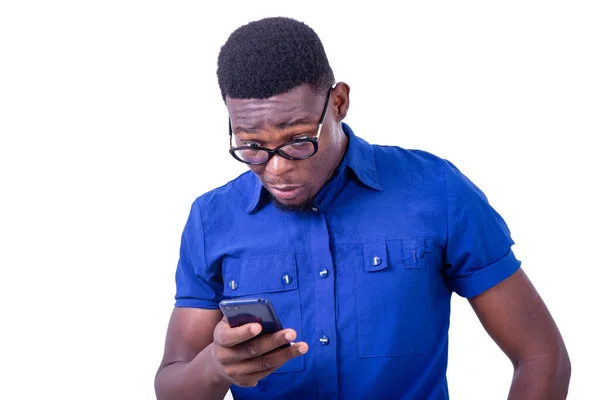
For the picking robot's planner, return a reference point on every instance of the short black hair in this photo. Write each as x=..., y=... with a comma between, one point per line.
x=271, y=56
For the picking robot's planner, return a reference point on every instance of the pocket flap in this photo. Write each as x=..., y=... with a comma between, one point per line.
x=375, y=256
x=242, y=277
x=413, y=253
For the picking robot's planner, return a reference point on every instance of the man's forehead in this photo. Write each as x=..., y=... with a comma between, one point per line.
x=302, y=94
x=280, y=111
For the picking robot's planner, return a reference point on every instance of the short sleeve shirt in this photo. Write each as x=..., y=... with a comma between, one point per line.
x=365, y=277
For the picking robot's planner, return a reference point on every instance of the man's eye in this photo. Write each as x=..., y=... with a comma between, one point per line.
x=301, y=137
x=252, y=144
x=299, y=144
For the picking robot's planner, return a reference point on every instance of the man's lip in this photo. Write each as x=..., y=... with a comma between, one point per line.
x=285, y=192
x=285, y=188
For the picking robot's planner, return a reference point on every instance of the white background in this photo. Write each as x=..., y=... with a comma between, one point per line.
x=111, y=124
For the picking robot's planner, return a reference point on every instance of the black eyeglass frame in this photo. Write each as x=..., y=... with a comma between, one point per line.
x=277, y=150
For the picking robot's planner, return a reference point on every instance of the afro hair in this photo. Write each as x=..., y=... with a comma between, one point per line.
x=271, y=56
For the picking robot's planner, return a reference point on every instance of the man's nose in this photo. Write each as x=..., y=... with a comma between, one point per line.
x=279, y=166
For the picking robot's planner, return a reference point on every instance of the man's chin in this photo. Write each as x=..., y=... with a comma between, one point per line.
x=291, y=205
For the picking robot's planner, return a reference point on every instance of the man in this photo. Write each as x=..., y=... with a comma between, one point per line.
x=359, y=248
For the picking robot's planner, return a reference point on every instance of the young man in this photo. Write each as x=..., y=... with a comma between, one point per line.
x=359, y=248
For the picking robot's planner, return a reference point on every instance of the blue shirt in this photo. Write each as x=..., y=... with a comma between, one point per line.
x=365, y=278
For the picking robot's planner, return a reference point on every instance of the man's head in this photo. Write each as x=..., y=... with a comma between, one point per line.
x=275, y=79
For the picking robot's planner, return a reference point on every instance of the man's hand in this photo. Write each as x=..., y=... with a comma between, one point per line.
x=243, y=359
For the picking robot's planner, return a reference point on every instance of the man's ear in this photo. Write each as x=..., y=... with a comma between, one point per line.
x=340, y=100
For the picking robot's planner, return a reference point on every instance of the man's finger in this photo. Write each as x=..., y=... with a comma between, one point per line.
x=269, y=362
x=252, y=379
x=262, y=345
x=227, y=336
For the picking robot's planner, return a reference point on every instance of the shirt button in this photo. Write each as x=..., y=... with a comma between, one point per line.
x=286, y=279
x=324, y=340
x=233, y=285
x=375, y=261
x=323, y=273
x=315, y=210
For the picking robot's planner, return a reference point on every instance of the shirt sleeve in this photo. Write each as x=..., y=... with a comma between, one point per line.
x=199, y=284
x=478, y=253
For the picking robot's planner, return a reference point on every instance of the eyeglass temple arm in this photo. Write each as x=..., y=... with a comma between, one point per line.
x=324, y=112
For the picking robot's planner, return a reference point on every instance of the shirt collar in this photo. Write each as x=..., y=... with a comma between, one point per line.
x=359, y=157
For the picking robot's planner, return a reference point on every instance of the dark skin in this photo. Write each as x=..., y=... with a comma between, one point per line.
x=204, y=356
x=281, y=119
x=516, y=318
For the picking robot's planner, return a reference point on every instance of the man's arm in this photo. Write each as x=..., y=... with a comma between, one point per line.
x=516, y=318
x=184, y=371
x=204, y=356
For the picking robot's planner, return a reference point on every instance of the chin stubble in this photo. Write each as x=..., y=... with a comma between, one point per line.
x=303, y=206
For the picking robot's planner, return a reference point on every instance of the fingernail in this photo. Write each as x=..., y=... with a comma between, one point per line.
x=288, y=336
x=303, y=349
x=254, y=329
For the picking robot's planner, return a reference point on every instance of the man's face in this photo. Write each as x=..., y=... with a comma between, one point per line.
x=279, y=119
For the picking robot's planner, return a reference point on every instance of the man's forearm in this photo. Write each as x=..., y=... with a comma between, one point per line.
x=542, y=379
x=190, y=381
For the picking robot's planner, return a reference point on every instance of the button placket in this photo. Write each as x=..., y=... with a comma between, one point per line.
x=322, y=262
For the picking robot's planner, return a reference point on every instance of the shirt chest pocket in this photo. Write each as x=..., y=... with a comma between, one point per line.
x=272, y=277
x=393, y=297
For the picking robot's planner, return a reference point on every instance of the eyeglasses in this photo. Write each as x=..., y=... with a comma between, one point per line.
x=297, y=149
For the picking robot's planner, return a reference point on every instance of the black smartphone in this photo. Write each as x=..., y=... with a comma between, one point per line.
x=243, y=311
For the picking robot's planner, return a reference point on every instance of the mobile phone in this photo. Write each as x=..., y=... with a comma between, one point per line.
x=243, y=311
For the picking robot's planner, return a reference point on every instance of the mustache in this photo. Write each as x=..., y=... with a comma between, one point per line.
x=283, y=182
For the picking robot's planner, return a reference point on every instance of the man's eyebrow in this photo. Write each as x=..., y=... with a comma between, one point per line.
x=295, y=122
x=281, y=125
x=242, y=129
